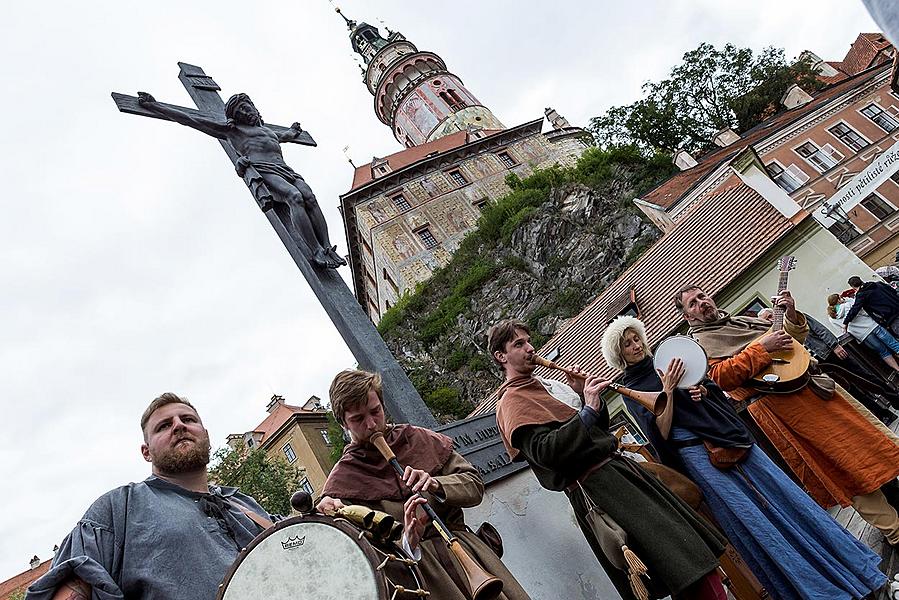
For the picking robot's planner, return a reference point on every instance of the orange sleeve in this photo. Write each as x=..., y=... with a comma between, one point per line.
x=732, y=373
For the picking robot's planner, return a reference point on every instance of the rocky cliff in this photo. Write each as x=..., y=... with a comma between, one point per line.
x=540, y=254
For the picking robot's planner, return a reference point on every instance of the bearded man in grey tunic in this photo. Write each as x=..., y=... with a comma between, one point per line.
x=170, y=536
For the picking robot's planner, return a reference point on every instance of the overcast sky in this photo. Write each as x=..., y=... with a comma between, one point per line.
x=133, y=259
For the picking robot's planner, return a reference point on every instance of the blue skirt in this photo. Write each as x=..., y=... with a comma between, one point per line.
x=791, y=544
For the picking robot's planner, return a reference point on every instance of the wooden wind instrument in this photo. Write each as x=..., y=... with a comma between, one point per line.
x=653, y=401
x=481, y=584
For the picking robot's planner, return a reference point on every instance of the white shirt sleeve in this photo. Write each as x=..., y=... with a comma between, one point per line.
x=416, y=555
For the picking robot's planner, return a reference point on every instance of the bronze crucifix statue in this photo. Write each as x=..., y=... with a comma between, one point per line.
x=291, y=208
x=261, y=164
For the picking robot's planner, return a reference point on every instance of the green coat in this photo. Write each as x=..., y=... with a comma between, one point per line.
x=677, y=545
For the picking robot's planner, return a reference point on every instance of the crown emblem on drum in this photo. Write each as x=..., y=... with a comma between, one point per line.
x=293, y=542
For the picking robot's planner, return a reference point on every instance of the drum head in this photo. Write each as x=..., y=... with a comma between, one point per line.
x=696, y=363
x=305, y=557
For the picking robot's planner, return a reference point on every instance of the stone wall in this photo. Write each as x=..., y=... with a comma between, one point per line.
x=394, y=251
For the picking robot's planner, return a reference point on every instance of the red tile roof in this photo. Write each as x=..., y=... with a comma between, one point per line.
x=722, y=238
x=404, y=158
x=23, y=580
x=864, y=53
x=280, y=415
x=672, y=190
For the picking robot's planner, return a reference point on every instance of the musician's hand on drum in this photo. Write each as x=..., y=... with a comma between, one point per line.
x=414, y=521
x=672, y=375
x=576, y=378
x=776, y=341
x=420, y=481
x=593, y=387
x=328, y=505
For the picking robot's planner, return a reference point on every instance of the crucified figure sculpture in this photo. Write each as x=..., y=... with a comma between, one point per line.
x=260, y=149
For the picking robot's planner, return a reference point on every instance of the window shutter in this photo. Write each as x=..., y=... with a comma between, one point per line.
x=797, y=174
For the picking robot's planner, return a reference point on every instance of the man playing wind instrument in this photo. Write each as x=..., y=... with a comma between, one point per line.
x=433, y=472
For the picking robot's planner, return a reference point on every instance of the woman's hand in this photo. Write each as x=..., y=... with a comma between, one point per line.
x=697, y=392
x=672, y=375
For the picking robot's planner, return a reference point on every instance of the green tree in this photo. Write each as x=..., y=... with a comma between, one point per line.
x=335, y=437
x=18, y=594
x=710, y=90
x=270, y=481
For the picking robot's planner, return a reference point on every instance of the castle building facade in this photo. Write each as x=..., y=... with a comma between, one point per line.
x=406, y=213
x=819, y=146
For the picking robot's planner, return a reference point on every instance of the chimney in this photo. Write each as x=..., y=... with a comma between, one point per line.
x=817, y=64
x=274, y=403
x=684, y=160
x=725, y=137
x=795, y=96
x=35, y=562
x=555, y=119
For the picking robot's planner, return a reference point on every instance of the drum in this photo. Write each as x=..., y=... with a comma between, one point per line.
x=696, y=363
x=325, y=558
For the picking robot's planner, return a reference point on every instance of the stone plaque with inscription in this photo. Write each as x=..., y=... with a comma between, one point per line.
x=477, y=439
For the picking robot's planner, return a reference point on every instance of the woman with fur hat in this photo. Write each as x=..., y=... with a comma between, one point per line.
x=794, y=547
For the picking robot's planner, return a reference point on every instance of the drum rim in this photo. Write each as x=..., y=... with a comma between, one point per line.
x=692, y=340
x=337, y=522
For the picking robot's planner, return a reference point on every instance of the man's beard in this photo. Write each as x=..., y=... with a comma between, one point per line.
x=174, y=461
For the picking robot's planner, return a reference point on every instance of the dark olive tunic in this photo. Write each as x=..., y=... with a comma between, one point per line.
x=677, y=545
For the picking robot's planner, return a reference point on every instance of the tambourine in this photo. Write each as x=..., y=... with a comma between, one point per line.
x=696, y=362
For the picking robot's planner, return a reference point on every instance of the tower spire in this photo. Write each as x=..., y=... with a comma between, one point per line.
x=349, y=22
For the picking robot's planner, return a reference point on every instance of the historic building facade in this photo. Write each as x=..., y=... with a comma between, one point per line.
x=297, y=435
x=405, y=214
x=811, y=149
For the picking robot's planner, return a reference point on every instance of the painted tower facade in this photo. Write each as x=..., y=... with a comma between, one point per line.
x=406, y=213
x=414, y=94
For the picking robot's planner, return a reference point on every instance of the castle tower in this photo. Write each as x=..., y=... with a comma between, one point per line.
x=414, y=94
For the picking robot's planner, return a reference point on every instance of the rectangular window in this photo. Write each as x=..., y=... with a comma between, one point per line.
x=325, y=437
x=506, y=159
x=390, y=281
x=753, y=308
x=844, y=230
x=457, y=178
x=881, y=118
x=823, y=159
x=787, y=179
x=481, y=203
x=877, y=206
x=289, y=453
x=848, y=136
x=401, y=202
x=895, y=177
x=306, y=486
x=427, y=238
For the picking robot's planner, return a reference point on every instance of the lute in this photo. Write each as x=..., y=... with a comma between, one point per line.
x=789, y=370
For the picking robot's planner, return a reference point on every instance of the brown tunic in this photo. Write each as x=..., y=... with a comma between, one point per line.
x=462, y=488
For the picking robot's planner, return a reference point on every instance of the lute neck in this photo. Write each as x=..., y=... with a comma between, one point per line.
x=778, y=321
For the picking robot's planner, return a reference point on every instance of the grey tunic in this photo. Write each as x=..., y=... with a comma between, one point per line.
x=153, y=540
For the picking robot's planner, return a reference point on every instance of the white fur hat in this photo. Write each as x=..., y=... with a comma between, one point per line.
x=611, y=340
